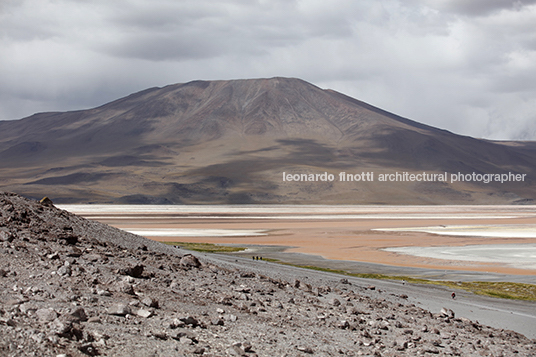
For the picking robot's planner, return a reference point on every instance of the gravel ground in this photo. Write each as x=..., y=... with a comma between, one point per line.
x=73, y=287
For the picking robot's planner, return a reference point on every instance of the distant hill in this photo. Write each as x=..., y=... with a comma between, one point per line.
x=231, y=141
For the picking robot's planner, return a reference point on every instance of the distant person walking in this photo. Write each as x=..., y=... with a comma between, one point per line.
x=453, y=295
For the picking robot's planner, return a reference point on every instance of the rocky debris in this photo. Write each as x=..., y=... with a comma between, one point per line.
x=45, y=201
x=190, y=261
x=119, y=310
x=135, y=271
x=447, y=313
x=110, y=293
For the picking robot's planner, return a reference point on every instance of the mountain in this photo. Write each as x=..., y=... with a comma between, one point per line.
x=231, y=141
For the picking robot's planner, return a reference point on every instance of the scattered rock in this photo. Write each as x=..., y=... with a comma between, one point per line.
x=46, y=315
x=190, y=261
x=79, y=314
x=217, y=321
x=119, y=310
x=144, y=313
x=150, y=302
x=103, y=292
x=199, y=351
x=125, y=288
x=447, y=313
x=135, y=271
x=54, y=291
x=64, y=271
x=189, y=320
x=305, y=349
x=230, y=317
x=6, y=236
x=334, y=302
x=45, y=201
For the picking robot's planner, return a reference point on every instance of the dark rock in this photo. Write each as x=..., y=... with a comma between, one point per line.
x=343, y=324
x=150, y=302
x=6, y=236
x=217, y=321
x=401, y=344
x=190, y=261
x=45, y=201
x=189, y=320
x=53, y=256
x=247, y=274
x=68, y=239
x=247, y=347
x=334, y=302
x=447, y=313
x=89, y=349
x=79, y=314
x=92, y=257
x=125, y=288
x=308, y=350
x=74, y=252
x=135, y=271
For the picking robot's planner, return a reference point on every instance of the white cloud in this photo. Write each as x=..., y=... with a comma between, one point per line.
x=467, y=66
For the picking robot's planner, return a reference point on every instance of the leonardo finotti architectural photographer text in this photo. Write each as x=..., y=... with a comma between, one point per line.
x=406, y=177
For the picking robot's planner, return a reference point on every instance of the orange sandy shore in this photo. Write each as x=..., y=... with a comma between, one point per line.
x=343, y=239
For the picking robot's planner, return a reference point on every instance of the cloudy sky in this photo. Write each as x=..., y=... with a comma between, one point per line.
x=468, y=66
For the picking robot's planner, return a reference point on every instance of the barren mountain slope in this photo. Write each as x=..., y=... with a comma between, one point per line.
x=230, y=142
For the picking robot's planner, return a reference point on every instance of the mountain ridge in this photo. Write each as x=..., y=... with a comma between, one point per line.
x=245, y=132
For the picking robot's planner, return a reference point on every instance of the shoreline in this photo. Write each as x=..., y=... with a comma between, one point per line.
x=333, y=233
x=281, y=254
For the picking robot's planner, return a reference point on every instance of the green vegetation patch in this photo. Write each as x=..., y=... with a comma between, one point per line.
x=504, y=290
x=207, y=247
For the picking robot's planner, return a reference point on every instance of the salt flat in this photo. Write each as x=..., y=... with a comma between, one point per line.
x=446, y=238
x=520, y=256
x=170, y=232
x=488, y=230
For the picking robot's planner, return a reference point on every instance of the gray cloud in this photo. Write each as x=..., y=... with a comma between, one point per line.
x=475, y=7
x=466, y=66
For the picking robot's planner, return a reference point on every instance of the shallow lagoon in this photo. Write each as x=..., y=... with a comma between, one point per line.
x=467, y=235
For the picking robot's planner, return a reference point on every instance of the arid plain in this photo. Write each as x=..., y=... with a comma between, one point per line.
x=494, y=239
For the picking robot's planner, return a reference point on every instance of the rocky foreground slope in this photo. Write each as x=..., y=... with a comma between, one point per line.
x=73, y=287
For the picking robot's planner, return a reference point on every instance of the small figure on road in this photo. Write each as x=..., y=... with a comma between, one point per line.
x=453, y=295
